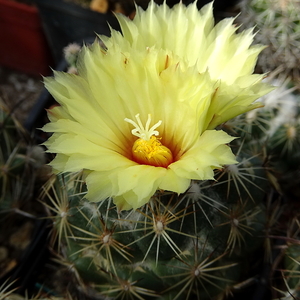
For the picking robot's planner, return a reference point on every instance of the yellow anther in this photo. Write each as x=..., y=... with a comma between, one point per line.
x=140, y=131
x=152, y=153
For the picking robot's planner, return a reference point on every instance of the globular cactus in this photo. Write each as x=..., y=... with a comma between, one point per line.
x=22, y=172
x=274, y=132
x=274, y=135
x=71, y=54
x=277, y=23
x=286, y=282
x=206, y=243
x=120, y=236
x=175, y=247
x=19, y=157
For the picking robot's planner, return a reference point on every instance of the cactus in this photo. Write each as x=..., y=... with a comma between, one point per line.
x=175, y=247
x=22, y=172
x=206, y=243
x=209, y=242
x=275, y=129
x=5, y=290
x=278, y=27
x=19, y=157
x=71, y=55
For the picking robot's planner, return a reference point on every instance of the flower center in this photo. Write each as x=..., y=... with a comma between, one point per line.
x=148, y=149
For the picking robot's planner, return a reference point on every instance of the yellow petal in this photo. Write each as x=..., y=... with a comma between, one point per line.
x=229, y=57
x=99, y=186
x=187, y=82
x=231, y=101
x=209, y=153
x=139, y=181
x=172, y=182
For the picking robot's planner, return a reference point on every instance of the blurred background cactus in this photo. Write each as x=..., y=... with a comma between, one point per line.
x=277, y=23
x=19, y=157
x=22, y=172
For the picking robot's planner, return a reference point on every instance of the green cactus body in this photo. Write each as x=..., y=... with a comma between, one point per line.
x=211, y=241
x=175, y=247
x=18, y=159
x=204, y=244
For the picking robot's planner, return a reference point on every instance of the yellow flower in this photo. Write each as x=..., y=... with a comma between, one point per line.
x=139, y=119
x=189, y=33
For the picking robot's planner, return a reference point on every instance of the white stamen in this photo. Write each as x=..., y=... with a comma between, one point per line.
x=140, y=131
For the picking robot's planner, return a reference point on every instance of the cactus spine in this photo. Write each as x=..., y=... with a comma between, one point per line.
x=213, y=241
